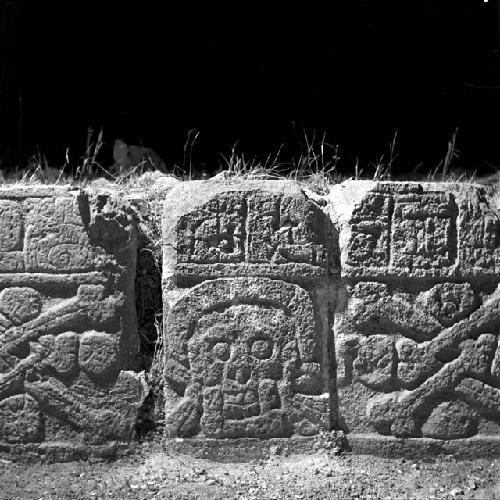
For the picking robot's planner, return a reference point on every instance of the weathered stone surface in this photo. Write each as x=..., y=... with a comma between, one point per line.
x=67, y=321
x=246, y=274
x=434, y=230
x=451, y=420
x=98, y=355
x=416, y=335
x=20, y=304
x=21, y=420
x=64, y=352
x=266, y=228
x=244, y=360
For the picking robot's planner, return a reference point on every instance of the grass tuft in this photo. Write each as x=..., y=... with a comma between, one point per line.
x=237, y=165
x=446, y=171
x=316, y=165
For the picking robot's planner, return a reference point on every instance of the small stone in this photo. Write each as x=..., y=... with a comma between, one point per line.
x=275, y=450
x=456, y=491
x=472, y=484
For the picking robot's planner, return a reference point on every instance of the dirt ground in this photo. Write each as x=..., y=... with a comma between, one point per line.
x=151, y=473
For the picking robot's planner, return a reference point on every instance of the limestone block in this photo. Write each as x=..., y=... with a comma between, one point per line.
x=68, y=330
x=416, y=338
x=248, y=352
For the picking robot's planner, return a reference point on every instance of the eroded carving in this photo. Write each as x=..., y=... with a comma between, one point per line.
x=415, y=231
x=67, y=324
x=416, y=340
x=251, y=232
x=415, y=367
x=244, y=360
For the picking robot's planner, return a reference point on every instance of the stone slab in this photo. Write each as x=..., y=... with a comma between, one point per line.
x=248, y=449
x=416, y=331
x=246, y=277
x=480, y=446
x=66, y=451
x=68, y=329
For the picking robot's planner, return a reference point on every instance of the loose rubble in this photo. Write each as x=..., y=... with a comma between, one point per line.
x=152, y=473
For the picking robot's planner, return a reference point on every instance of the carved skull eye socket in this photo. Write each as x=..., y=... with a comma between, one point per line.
x=222, y=350
x=262, y=349
x=449, y=308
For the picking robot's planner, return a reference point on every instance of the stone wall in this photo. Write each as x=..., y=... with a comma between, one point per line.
x=373, y=310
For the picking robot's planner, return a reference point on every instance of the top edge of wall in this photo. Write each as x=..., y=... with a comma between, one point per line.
x=163, y=184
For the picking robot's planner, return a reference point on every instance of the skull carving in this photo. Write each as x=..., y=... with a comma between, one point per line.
x=241, y=357
x=243, y=361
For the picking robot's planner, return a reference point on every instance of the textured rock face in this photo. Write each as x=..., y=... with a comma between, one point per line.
x=68, y=330
x=253, y=272
x=261, y=228
x=247, y=271
x=416, y=336
x=375, y=310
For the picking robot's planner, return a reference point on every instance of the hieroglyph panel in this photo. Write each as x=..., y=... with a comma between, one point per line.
x=248, y=351
x=402, y=229
x=266, y=228
x=417, y=340
x=67, y=322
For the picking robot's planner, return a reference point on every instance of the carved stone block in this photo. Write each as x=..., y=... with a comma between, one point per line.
x=247, y=341
x=416, y=340
x=67, y=320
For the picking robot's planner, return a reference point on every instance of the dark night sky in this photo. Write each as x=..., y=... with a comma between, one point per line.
x=358, y=71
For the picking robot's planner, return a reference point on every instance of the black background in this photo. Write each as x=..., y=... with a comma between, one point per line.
x=356, y=70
